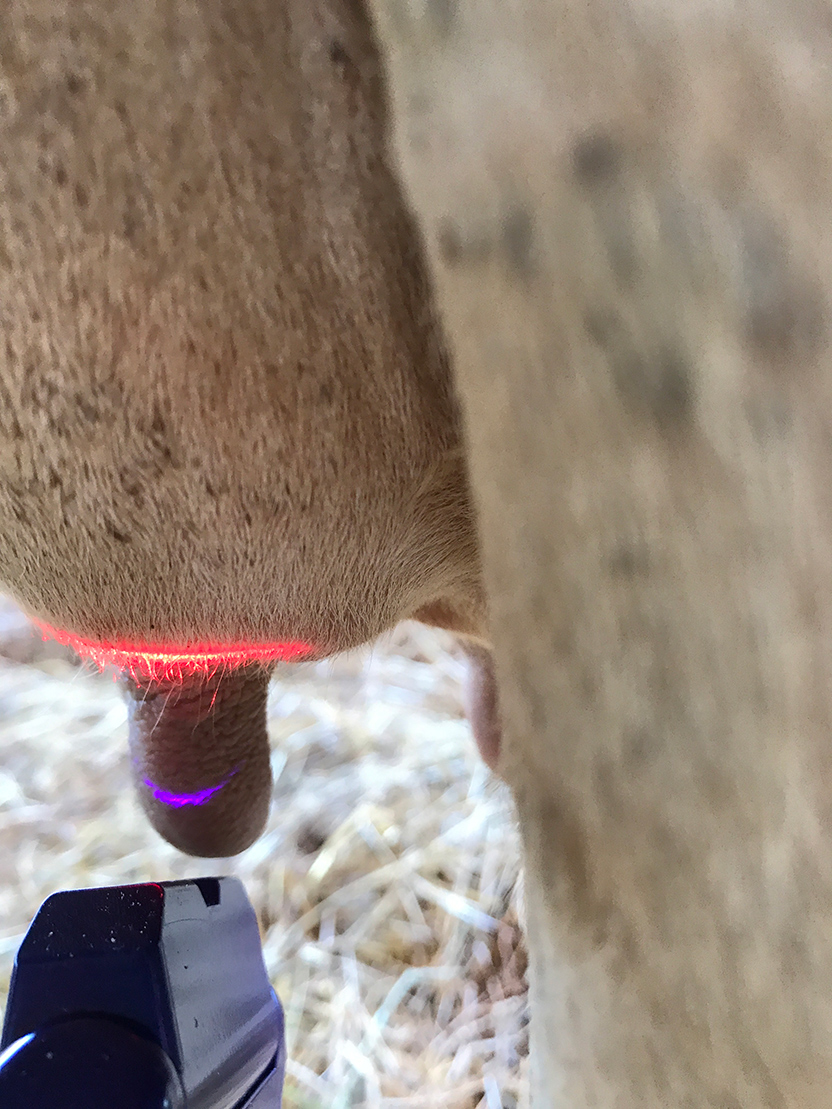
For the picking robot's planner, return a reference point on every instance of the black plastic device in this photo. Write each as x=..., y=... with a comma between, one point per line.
x=149, y=996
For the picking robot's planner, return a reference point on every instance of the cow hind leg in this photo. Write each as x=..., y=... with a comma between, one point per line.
x=626, y=208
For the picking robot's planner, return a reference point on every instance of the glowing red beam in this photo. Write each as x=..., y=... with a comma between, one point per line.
x=168, y=663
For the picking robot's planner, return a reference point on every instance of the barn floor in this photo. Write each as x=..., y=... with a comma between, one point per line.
x=385, y=884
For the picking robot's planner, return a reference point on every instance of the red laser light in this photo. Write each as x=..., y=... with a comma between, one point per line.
x=169, y=663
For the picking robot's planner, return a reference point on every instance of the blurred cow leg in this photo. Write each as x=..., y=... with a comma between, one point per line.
x=626, y=206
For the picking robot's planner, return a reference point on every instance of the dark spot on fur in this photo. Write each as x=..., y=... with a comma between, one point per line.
x=163, y=450
x=629, y=561
x=588, y=684
x=659, y=384
x=60, y=175
x=673, y=385
x=117, y=534
x=443, y=14
x=74, y=84
x=599, y=169
x=785, y=314
x=518, y=240
x=131, y=223
x=82, y=197
x=325, y=392
x=457, y=248
x=571, y=868
x=158, y=425
x=621, y=250
x=450, y=243
x=338, y=55
x=247, y=517
x=792, y=325
x=418, y=103
x=596, y=159
x=88, y=409
x=769, y=417
x=600, y=325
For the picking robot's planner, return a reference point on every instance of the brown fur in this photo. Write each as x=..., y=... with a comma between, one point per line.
x=225, y=409
x=226, y=413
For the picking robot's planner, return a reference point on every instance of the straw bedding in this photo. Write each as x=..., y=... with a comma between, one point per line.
x=385, y=885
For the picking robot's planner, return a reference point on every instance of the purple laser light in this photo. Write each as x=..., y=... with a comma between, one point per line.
x=179, y=800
